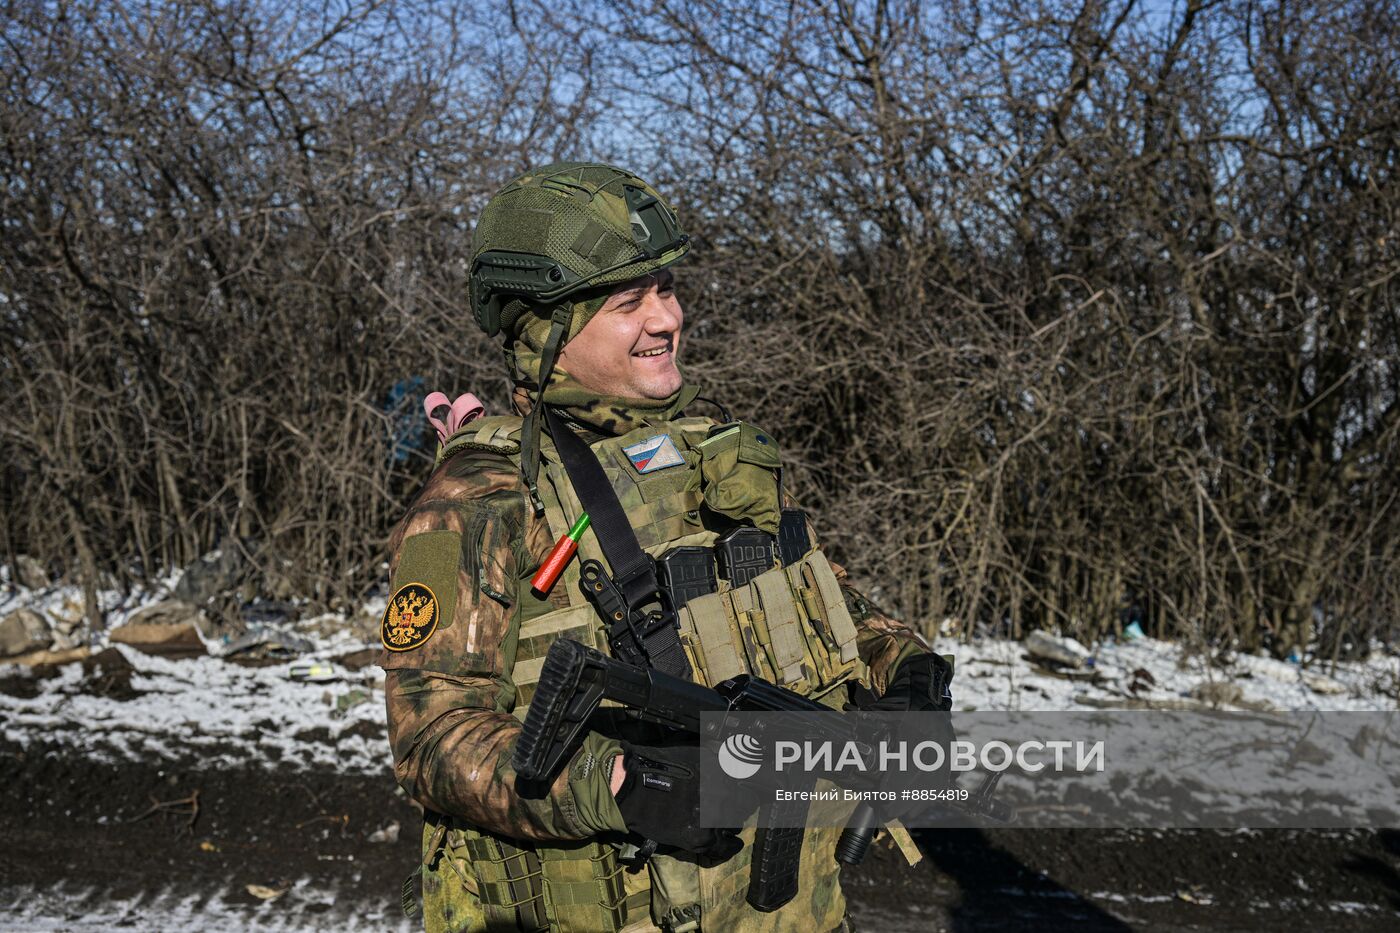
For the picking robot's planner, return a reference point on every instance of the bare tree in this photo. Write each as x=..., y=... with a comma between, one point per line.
x=1095, y=303
x=233, y=231
x=1091, y=305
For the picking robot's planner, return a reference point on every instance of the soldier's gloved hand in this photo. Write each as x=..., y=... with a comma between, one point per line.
x=919, y=685
x=660, y=800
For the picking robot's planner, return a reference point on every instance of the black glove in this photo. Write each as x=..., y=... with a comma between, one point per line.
x=660, y=800
x=919, y=685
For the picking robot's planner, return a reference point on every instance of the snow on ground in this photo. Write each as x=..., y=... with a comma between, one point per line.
x=209, y=708
x=66, y=907
x=993, y=674
x=220, y=711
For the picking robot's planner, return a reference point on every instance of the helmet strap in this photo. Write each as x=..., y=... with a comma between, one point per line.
x=530, y=436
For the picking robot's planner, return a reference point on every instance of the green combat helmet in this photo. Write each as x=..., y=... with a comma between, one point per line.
x=563, y=229
x=553, y=234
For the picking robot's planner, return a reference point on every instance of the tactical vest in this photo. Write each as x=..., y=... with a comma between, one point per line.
x=788, y=625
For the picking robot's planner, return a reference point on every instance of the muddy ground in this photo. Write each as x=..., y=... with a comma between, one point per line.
x=120, y=846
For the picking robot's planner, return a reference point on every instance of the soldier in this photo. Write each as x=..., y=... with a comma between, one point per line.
x=571, y=267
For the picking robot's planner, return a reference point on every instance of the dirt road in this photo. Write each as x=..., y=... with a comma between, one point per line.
x=93, y=846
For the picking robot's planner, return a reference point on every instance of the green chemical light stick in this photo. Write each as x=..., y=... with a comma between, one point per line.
x=559, y=557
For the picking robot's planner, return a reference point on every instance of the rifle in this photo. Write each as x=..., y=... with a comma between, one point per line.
x=574, y=681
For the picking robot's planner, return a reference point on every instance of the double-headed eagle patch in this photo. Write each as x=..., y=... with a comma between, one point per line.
x=410, y=617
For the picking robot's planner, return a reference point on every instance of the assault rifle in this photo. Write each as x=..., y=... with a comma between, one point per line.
x=576, y=679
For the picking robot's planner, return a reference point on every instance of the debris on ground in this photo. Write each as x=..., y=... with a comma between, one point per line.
x=356, y=660
x=348, y=701
x=180, y=640
x=1142, y=681
x=67, y=620
x=266, y=643
x=22, y=632
x=47, y=658
x=212, y=577
x=1321, y=683
x=1195, y=895
x=1172, y=704
x=108, y=674
x=269, y=612
x=185, y=806
x=1060, y=650
x=29, y=573
x=1218, y=693
x=171, y=612
x=313, y=672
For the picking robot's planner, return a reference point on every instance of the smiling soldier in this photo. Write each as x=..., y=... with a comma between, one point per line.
x=571, y=266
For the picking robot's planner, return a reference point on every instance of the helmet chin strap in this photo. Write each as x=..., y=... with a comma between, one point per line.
x=530, y=436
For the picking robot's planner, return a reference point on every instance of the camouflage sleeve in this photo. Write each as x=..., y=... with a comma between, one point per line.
x=882, y=640
x=448, y=685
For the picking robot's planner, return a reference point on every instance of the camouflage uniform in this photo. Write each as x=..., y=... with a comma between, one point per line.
x=465, y=636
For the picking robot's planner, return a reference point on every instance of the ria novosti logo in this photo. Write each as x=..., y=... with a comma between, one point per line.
x=740, y=756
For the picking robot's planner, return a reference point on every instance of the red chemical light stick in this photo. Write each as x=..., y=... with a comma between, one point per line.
x=559, y=557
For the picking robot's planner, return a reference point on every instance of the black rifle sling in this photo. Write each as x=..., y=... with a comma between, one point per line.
x=633, y=570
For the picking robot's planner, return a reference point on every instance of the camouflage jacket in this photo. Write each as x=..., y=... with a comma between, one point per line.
x=450, y=694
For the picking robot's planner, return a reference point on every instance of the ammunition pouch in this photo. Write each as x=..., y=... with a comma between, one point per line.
x=567, y=887
x=739, y=474
x=788, y=625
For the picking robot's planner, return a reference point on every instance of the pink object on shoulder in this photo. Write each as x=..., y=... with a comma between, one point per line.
x=465, y=408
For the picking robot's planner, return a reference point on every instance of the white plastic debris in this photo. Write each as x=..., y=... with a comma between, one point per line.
x=1061, y=650
x=313, y=672
x=1321, y=683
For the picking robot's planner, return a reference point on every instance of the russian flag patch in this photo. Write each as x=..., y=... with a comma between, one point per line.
x=654, y=453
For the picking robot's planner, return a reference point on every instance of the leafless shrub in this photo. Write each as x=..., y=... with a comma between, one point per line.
x=1066, y=313
x=1093, y=306
x=231, y=231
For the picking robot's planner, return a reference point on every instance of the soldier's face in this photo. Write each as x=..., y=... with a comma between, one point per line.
x=629, y=348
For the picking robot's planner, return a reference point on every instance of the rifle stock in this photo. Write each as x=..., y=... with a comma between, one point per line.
x=574, y=682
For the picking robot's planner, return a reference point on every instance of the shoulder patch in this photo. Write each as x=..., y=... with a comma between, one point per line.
x=654, y=453
x=410, y=618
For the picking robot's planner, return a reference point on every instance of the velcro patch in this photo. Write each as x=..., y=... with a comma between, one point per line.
x=654, y=453
x=410, y=618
